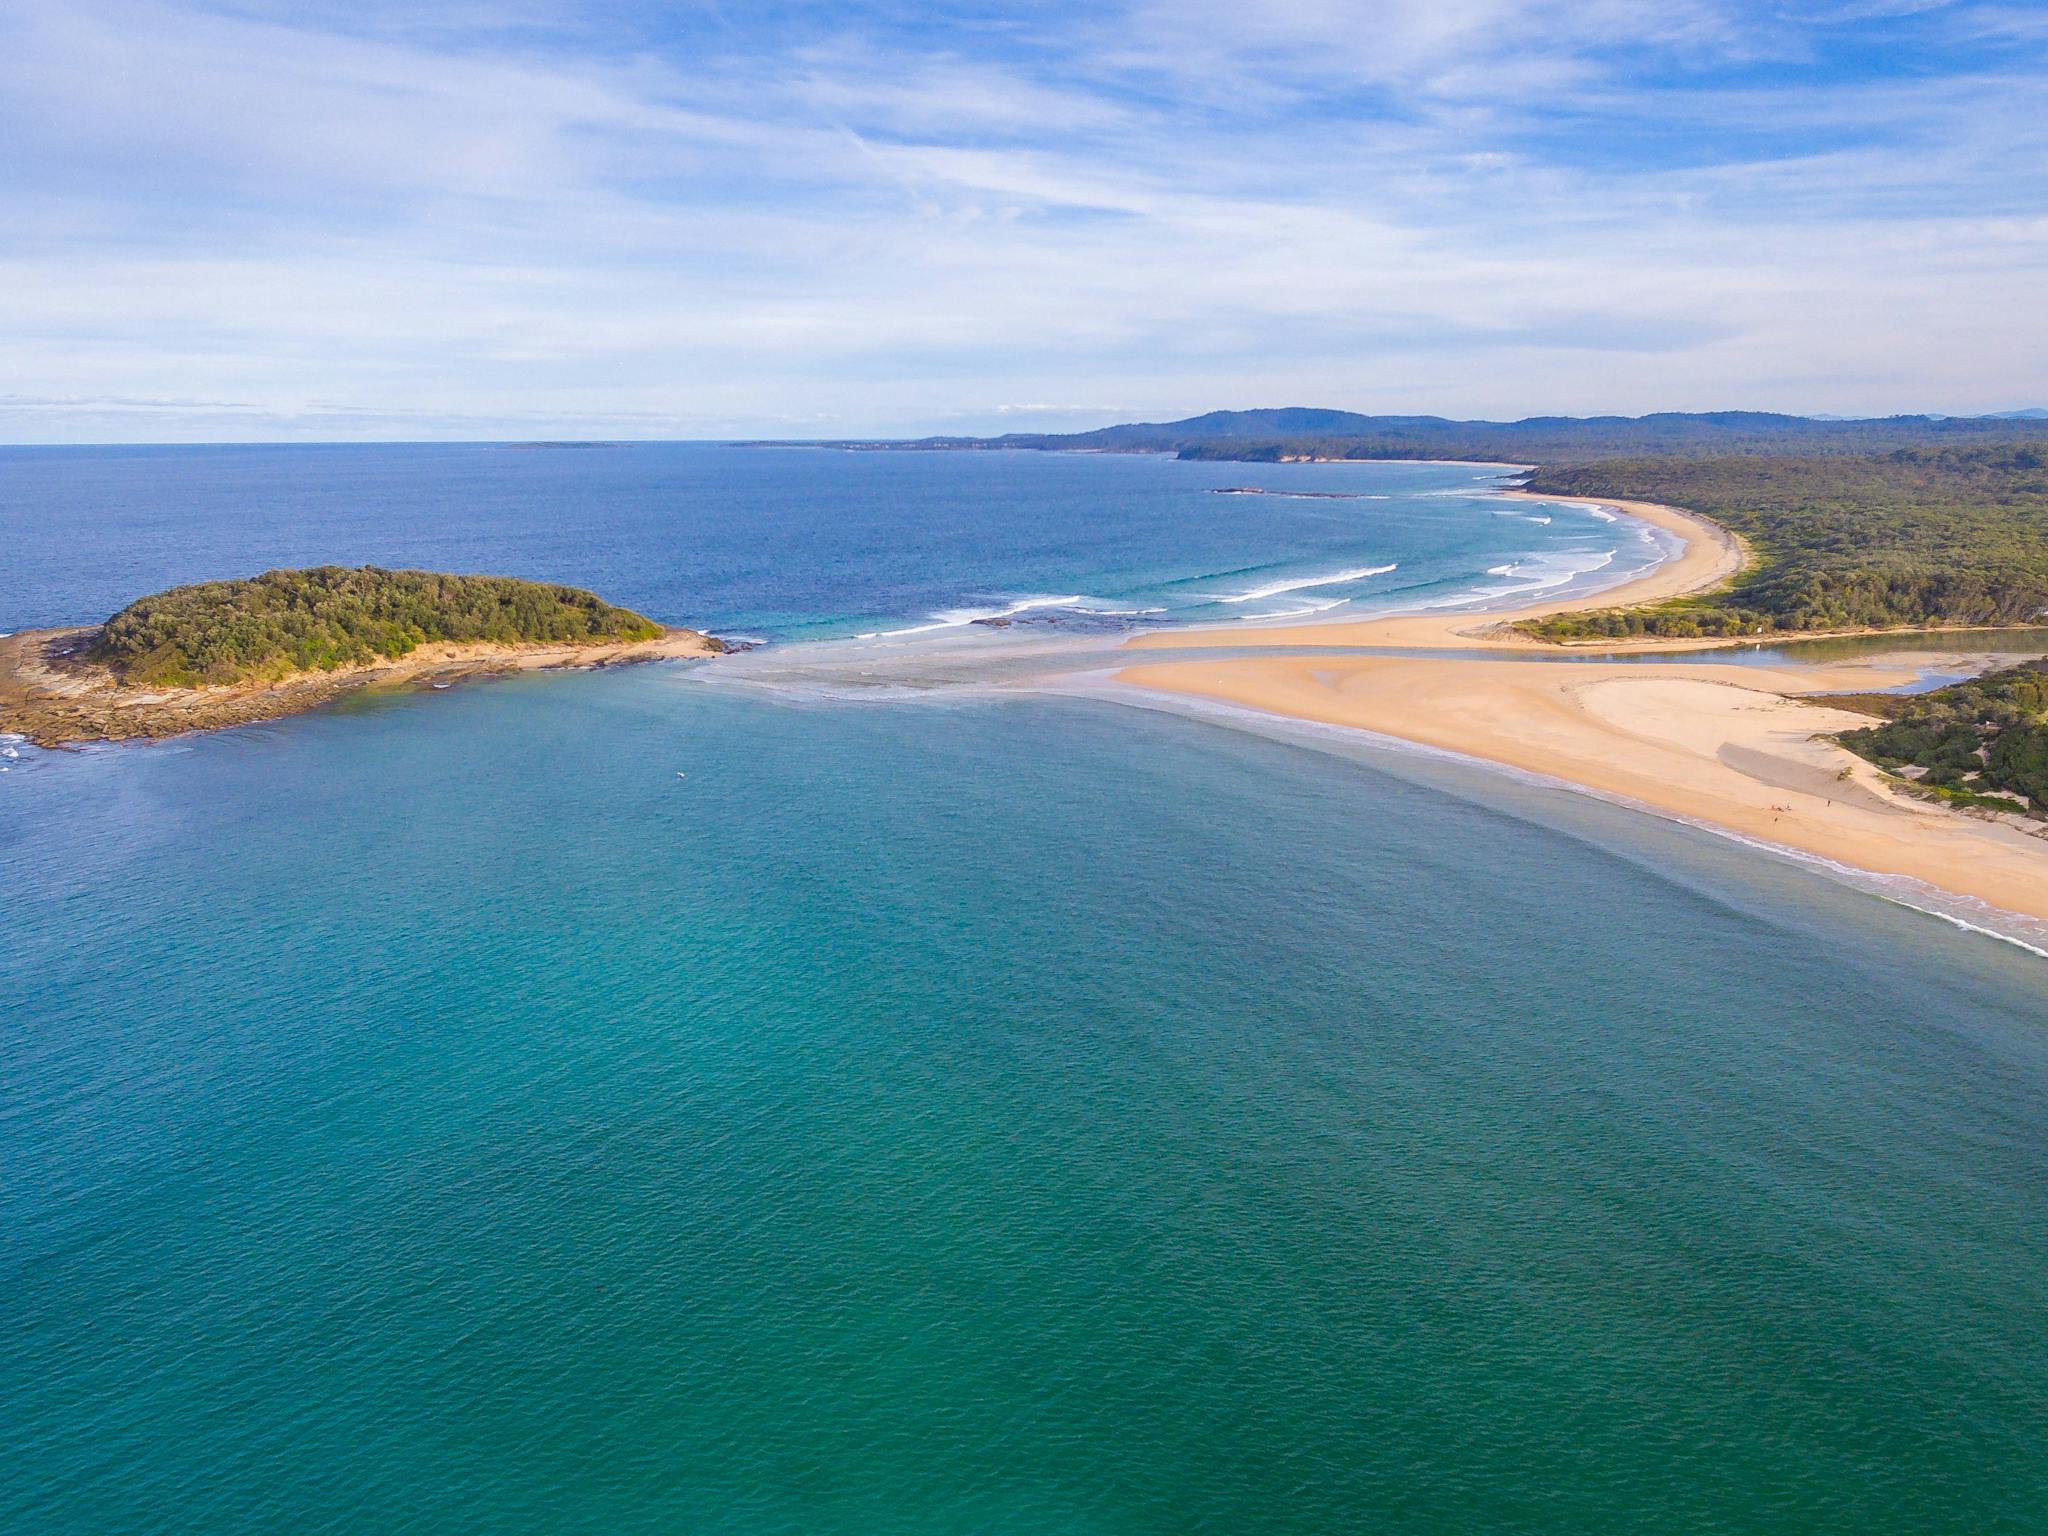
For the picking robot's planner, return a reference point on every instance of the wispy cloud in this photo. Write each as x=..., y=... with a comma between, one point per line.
x=374, y=220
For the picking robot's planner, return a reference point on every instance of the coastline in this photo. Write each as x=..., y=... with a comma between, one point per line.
x=1742, y=751
x=56, y=702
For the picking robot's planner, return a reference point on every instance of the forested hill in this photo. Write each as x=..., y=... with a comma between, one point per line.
x=283, y=622
x=1300, y=432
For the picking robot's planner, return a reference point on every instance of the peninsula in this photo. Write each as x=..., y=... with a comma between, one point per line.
x=224, y=653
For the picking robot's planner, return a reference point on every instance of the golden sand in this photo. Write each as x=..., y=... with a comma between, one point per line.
x=1736, y=747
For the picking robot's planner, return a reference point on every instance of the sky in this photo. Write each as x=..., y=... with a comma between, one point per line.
x=353, y=219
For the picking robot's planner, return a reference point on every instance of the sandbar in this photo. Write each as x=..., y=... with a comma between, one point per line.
x=1745, y=749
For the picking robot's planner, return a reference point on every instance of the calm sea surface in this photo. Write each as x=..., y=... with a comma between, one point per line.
x=952, y=1110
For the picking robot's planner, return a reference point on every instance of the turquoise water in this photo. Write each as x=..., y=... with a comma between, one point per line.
x=981, y=1113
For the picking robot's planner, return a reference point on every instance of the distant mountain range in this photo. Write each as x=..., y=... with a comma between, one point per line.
x=1296, y=432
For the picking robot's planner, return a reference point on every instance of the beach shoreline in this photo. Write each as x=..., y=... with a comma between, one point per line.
x=1744, y=751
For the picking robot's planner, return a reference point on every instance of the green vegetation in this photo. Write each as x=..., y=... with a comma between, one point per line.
x=1863, y=524
x=1913, y=537
x=1971, y=743
x=1298, y=432
x=1926, y=521
x=282, y=622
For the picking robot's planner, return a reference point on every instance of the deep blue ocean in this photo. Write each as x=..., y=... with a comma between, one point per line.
x=790, y=543
x=950, y=1109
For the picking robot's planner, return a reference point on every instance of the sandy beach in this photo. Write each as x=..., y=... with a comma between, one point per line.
x=1738, y=748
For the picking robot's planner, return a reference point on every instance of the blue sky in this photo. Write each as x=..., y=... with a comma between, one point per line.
x=324, y=220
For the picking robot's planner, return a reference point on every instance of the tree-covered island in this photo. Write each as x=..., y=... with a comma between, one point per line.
x=265, y=628
x=1981, y=743
x=227, y=652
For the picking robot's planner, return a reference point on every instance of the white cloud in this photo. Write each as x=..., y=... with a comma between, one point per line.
x=1474, y=207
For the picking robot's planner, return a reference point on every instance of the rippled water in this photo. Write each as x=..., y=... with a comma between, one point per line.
x=945, y=1110
x=789, y=543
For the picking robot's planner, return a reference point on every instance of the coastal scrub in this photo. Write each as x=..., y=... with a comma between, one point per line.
x=268, y=627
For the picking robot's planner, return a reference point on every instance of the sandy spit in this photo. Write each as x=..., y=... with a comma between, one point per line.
x=1744, y=749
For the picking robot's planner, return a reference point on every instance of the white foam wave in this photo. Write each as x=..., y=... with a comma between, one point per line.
x=1555, y=570
x=1274, y=589
x=1525, y=578
x=955, y=618
x=1989, y=933
x=1295, y=613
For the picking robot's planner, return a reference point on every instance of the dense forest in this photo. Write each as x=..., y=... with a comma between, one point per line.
x=1916, y=536
x=1969, y=743
x=329, y=616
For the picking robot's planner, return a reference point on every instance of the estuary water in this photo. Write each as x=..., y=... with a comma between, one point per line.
x=619, y=1102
